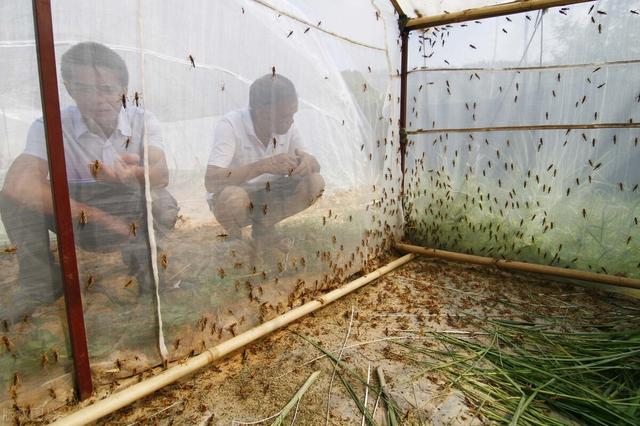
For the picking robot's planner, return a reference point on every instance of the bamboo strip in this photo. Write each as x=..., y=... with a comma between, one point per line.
x=366, y=393
x=317, y=27
x=127, y=396
x=543, y=67
x=487, y=12
x=386, y=396
x=522, y=128
x=521, y=266
x=296, y=398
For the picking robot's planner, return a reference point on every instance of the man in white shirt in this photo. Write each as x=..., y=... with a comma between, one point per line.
x=103, y=144
x=257, y=172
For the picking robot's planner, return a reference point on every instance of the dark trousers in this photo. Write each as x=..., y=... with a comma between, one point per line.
x=39, y=278
x=276, y=201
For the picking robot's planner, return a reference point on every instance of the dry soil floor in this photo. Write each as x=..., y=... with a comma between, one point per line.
x=365, y=327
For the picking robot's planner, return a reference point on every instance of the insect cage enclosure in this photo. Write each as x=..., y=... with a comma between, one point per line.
x=175, y=175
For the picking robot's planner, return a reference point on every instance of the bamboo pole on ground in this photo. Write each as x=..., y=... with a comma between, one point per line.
x=521, y=266
x=487, y=12
x=121, y=399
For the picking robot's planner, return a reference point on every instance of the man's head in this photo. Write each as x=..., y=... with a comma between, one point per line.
x=96, y=77
x=273, y=101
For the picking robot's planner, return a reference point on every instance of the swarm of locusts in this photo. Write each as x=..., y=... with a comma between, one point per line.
x=552, y=191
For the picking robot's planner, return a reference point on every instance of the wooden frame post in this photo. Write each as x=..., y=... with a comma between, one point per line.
x=60, y=193
x=397, y=7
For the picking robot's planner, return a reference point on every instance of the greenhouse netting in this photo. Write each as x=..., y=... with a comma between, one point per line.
x=217, y=177
x=524, y=140
x=228, y=161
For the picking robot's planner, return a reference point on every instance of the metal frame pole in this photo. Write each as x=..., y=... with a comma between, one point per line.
x=60, y=193
x=404, y=34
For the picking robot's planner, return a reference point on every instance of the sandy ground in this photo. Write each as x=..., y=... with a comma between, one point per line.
x=425, y=295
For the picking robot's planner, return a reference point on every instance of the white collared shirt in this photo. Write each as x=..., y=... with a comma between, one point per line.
x=81, y=147
x=235, y=143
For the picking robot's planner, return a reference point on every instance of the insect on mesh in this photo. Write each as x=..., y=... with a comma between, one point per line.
x=523, y=138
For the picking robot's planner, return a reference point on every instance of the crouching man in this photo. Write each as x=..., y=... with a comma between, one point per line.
x=103, y=145
x=257, y=173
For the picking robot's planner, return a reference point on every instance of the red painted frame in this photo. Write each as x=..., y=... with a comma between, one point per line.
x=60, y=191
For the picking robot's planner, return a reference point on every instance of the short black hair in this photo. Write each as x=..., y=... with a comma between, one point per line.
x=271, y=89
x=96, y=55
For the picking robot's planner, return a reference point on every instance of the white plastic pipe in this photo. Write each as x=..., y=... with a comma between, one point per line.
x=121, y=399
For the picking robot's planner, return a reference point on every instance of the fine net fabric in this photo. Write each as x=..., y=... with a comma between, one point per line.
x=35, y=360
x=522, y=145
x=189, y=67
x=523, y=138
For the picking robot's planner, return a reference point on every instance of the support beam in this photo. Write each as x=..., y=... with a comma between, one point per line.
x=397, y=7
x=60, y=193
x=487, y=12
x=509, y=265
x=532, y=127
x=403, y=103
x=531, y=68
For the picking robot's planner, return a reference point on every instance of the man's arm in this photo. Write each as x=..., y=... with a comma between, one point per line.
x=158, y=171
x=218, y=177
x=26, y=183
x=128, y=168
x=307, y=163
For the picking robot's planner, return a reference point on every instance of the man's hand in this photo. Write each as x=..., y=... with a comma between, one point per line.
x=307, y=164
x=126, y=169
x=281, y=164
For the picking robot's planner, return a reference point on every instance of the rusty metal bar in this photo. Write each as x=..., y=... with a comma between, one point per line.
x=487, y=12
x=60, y=193
x=403, y=102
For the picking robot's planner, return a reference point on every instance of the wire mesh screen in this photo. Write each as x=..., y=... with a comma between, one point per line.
x=524, y=138
x=227, y=161
x=34, y=354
